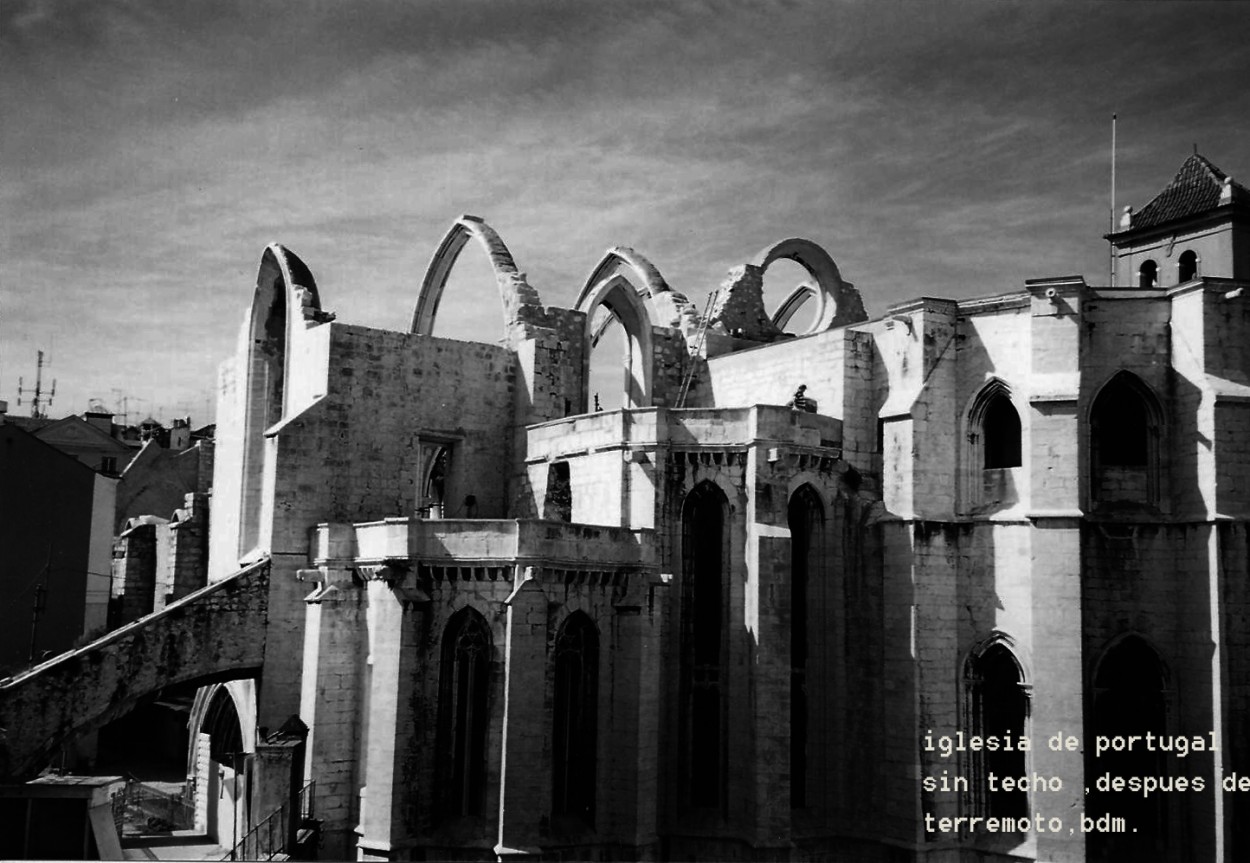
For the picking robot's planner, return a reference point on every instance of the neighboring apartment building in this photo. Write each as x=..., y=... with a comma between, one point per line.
x=56, y=519
x=737, y=619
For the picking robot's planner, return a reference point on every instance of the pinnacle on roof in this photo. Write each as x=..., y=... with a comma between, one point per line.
x=1197, y=188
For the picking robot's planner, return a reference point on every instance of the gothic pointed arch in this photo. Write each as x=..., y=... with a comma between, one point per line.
x=1125, y=443
x=703, y=659
x=841, y=303
x=997, y=703
x=668, y=308
x=463, y=713
x=520, y=301
x=992, y=447
x=285, y=298
x=806, y=519
x=623, y=257
x=1132, y=694
x=575, y=659
x=620, y=301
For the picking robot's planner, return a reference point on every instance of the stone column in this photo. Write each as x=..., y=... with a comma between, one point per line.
x=632, y=788
x=525, y=775
x=394, y=622
x=333, y=697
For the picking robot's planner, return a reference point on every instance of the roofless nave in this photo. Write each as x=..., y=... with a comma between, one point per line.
x=718, y=622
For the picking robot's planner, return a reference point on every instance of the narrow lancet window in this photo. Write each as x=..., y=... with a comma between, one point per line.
x=463, y=702
x=806, y=519
x=703, y=583
x=574, y=737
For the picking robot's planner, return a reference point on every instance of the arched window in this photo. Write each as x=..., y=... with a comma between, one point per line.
x=1000, y=431
x=1124, y=443
x=704, y=560
x=992, y=450
x=221, y=722
x=464, y=682
x=998, y=706
x=807, y=521
x=435, y=492
x=1187, y=266
x=1120, y=425
x=1130, y=698
x=1148, y=274
x=574, y=737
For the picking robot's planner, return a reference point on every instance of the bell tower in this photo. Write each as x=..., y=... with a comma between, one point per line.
x=1199, y=225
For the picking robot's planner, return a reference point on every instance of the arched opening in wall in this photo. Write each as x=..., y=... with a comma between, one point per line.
x=781, y=279
x=806, y=519
x=1000, y=428
x=221, y=723
x=1130, y=698
x=617, y=345
x=558, y=502
x=468, y=309
x=575, y=716
x=434, y=491
x=610, y=360
x=463, y=700
x=994, y=451
x=1124, y=443
x=226, y=769
x=997, y=706
x=1187, y=266
x=1148, y=274
x=705, y=559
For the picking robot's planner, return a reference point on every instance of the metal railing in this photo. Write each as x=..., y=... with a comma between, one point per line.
x=138, y=808
x=272, y=836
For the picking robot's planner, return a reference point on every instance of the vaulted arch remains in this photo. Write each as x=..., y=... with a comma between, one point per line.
x=667, y=308
x=838, y=303
x=285, y=300
x=618, y=322
x=521, y=303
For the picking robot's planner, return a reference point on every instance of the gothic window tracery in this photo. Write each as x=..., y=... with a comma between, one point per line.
x=463, y=712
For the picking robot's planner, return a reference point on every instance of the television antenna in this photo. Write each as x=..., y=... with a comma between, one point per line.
x=38, y=405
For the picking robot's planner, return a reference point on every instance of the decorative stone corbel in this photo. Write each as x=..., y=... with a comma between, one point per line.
x=329, y=580
x=399, y=577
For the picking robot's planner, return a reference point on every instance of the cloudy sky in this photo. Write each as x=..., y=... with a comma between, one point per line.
x=151, y=150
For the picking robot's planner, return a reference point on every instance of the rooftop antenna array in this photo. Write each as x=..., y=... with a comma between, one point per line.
x=38, y=405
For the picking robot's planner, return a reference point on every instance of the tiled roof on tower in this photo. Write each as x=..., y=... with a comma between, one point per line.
x=1197, y=188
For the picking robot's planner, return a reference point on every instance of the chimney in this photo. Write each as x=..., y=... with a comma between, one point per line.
x=103, y=420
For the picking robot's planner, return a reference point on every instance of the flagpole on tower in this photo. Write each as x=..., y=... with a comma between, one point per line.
x=1111, y=248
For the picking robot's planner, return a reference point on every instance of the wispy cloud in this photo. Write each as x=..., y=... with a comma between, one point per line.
x=152, y=150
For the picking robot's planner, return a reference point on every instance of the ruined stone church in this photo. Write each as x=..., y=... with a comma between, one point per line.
x=733, y=619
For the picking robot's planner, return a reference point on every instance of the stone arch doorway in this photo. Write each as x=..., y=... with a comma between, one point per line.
x=222, y=740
